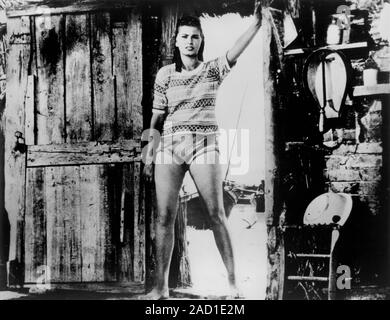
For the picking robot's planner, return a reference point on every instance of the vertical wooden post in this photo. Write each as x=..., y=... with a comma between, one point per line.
x=15, y=159
x=273, y=206
x=4, y=233
x=170, y=15
x=386, y=174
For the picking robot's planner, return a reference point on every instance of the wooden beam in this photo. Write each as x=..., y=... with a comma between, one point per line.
x=49, y=92
x=36, y=8
x=126, y=229
x=35, y=225
x=83, y=153
x=78, y=98
x=273, y=209
x=97, y=221
x=269, y=96
x=127, y=68
x=103, y=81
x=139, y=225
x=30, y=111
x=63, y=223
x=136, y=73
x=169, y=18
x=15, y=159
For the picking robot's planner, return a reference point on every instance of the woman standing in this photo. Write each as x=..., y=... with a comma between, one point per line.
x=183, y=109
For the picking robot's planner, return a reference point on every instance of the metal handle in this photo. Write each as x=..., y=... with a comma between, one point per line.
x=20, y=145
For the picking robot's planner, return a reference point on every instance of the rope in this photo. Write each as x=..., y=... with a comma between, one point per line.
x=238, y=121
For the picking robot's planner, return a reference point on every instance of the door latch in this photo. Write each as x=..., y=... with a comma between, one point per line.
x=20, y=145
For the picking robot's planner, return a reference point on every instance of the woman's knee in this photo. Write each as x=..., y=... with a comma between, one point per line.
x=217, y=216
x=166, y=218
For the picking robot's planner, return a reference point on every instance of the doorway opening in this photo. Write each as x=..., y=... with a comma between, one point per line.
x=240, y=115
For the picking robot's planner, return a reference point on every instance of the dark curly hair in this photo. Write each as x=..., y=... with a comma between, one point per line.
x=188, y=21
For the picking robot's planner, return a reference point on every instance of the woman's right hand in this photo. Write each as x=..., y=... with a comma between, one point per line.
x=257, y=12
x=148, y=172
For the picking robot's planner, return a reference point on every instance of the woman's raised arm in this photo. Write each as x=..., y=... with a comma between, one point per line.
x=246, y=38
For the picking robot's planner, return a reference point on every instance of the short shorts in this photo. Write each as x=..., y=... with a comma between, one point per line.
x=188, y=148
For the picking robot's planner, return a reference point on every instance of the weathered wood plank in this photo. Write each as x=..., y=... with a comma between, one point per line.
x=30, y=111
x=79, y=115
x=96, y=239
x=35, y=224
x=272, y=192
x=150, y=235
x=111, y=221
x=136, y=80
x=74, y=154
x=127, y=55
x=92, y=249
x=170, y=15
x=60, y=159
x=269, y=115
x=122, y=81
x=127, y=204
x=62, y=186
x=139, y=225
x=113, y=175
x=103, y=84
x=14, y=168
x=67, y=6
x=88, y=147
x=50, y=110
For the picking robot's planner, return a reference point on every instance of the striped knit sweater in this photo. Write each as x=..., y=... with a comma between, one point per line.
x=188, y=97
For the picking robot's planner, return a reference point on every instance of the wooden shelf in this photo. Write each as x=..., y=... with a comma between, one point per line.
x=344, y=46
x=379, y=89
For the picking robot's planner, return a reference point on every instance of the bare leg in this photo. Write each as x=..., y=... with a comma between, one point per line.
x=208, y=180
x=168, y=178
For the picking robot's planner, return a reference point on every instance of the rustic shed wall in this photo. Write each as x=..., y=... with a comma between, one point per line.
x=358, y=166
x=81, y=209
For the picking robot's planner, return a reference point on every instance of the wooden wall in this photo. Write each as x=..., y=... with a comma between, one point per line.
x=74, y=195
x=273, y=141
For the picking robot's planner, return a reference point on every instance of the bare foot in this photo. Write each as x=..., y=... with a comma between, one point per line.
x=155, y=295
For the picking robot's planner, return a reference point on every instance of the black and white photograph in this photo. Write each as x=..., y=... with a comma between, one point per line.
x=208, y=150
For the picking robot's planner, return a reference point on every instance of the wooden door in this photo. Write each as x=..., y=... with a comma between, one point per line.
x=73, y=189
